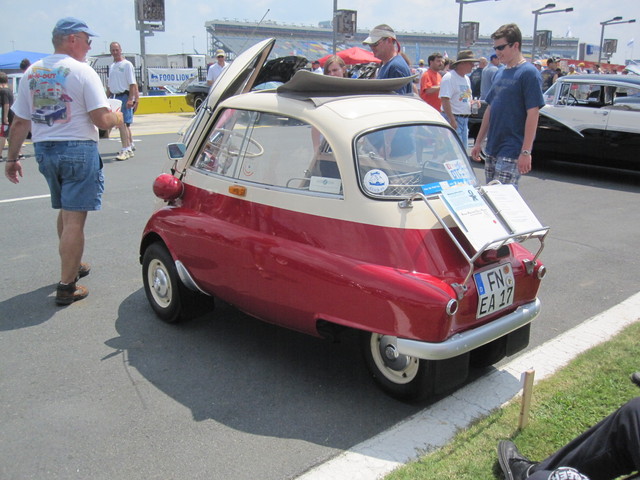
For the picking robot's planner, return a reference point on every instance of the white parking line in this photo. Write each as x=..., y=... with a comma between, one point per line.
x=435, y=426
x=35, y=197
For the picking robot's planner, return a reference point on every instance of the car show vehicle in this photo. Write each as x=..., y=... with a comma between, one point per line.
x=277, y=70
x=588, y=119
x=330, y=205
x=592, y=119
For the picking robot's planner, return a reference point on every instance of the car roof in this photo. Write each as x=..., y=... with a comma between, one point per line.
x=630, y=80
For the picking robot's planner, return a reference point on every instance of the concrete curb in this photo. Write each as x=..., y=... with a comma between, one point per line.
x=435, y=426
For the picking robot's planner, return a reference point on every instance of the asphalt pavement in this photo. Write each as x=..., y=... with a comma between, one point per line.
x=103, y=390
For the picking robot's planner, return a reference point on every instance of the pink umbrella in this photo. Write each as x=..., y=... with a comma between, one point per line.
x=353, y=56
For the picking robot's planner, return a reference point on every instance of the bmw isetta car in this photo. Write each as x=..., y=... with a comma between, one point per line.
x=315, y=206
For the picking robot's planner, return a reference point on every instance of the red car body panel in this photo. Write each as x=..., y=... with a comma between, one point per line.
x=293, y=269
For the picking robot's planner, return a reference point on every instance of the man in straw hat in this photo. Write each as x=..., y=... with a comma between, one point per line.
x=455, y=94
x=384, y=45
x=511, y=119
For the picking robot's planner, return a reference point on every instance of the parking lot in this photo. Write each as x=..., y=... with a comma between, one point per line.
x=102, y=389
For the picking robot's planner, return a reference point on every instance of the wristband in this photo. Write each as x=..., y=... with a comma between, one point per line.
x=13, y=161
x=525, y=152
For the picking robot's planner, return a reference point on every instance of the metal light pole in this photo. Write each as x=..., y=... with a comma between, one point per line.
x=612, y=21
x=535, y=22
x=462, y=2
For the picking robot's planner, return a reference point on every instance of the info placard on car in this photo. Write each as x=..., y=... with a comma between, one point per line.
x=495, y=289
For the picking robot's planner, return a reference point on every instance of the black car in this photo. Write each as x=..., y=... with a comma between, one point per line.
x=274, y=73
x=588, y=119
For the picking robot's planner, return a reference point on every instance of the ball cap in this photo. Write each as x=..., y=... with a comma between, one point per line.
x=220, y=53
x=378, y=33
x=69, y=25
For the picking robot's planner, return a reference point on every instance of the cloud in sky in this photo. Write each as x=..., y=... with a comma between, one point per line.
x=27, y=25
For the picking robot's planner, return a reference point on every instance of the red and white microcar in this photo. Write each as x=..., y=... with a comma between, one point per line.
x=315, y=206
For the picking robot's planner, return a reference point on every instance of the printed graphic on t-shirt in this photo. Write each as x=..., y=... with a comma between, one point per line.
x=51, y=104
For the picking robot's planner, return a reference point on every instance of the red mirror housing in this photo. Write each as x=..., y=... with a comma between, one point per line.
x=167, y=187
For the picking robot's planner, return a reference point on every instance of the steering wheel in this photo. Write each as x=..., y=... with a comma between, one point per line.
x=572, y=100
x=230, y=149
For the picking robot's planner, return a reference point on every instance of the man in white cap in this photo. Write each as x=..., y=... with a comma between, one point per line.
x=63, y=103
x=455, y=94
x=384, y=45
x=216, y=69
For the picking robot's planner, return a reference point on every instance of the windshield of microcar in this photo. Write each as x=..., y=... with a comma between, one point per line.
x=402, y=160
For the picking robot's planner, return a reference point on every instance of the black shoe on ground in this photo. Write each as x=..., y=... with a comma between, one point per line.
x=67, y=294
x=513, y=464
x=635, y=378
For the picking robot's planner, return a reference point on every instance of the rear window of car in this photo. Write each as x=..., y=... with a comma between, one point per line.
x=398, y=161
x=270, y=150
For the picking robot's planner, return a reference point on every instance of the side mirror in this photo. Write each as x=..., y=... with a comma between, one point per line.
x=176, y=151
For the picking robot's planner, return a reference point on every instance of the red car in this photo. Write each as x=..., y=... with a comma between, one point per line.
x=328, y=204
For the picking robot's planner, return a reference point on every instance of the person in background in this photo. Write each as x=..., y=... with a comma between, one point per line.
x=446, y=66
x=476, y=77
x=549, y=74
x=455, y=94
x=6, y=115
x=65, y=141
x=511, y=118
x=384, y=45
x=430, y=81
x=421, y=67
x=538, y=65
x=122, y=85
x=335, y=67
x=316, y=68
x=487, y=75
x=24, y=64
x=217, y=68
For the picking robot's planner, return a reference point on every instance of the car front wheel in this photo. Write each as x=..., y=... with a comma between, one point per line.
x=401, y=376
x=197, y=102
x=170, y=299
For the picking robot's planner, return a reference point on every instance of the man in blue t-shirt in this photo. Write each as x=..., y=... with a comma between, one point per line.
x=384, y=45
x=511, y=119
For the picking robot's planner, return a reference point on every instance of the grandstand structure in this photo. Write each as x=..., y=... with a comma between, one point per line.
x=314, y=42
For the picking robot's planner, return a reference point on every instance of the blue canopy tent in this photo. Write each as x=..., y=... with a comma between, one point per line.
x=11, y=60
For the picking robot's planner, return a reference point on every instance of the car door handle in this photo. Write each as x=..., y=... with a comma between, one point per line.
x=601, y=112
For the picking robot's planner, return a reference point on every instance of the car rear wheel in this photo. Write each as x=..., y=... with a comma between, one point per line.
x=170, y=299
x=401, y=376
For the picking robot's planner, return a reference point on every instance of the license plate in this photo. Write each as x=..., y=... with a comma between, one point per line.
x=495, y=289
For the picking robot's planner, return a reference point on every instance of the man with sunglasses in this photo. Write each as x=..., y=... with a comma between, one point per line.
x=63, y=103
x=384, y=45
x=511, y=118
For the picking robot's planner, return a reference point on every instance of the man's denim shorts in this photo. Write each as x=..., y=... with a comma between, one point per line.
x=73, y=170
x=127, y=113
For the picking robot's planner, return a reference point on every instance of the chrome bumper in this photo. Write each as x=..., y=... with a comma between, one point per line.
x=470, y=340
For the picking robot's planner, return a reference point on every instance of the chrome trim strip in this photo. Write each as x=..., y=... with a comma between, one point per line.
x=470, y=340
x=187, y=279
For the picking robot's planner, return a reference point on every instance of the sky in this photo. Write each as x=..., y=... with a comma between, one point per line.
x=27, y=24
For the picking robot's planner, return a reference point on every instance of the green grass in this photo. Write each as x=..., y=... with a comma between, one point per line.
x=588, y=389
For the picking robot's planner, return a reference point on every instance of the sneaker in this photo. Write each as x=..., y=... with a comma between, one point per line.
x=130, y=153
x=513, y=464
x=123, y=155
x=69, y=293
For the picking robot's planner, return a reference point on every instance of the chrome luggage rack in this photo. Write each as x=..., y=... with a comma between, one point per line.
x=494, y=244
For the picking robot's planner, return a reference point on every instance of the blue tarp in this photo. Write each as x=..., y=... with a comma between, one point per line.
x=11, y=60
